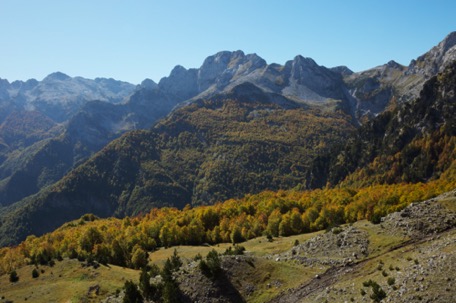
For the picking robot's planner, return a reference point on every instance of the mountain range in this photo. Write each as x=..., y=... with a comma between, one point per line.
x=234, y=126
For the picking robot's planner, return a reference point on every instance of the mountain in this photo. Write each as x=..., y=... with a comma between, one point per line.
x=300, y=79
x=34, y=116
x=60, y=96
x=27, y=168
x=363, y=95
x=234, y=126
x=413, y=142
x=244, y=141
x=27, y=162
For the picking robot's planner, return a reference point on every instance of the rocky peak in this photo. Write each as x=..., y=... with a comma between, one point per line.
x=305, y=69
x=222, y=67
x=57, y=76
x=181, y=83
x=342, y=69
x=148, y=84
x=394, y=64
x=448, y=42
x=306, y=72
x=303, y=61
x=27, y=85
x=435, y=60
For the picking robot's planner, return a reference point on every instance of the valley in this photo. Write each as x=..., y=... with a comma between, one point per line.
x=238, y=181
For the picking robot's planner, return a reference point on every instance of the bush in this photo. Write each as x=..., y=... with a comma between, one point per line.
x=35, y=273
x=211, y=268
x=391, y=281
x=375, y=219
x=132, y=294
x=154, y=270
x=13, y=277
x=198, y=257
x=235, y=250
x=144, y=284
x=176, y=261
x=378, y=293
x=139, y=258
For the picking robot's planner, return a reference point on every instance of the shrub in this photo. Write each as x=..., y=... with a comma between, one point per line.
x=198, y=257
x=336, y=230
x=378, y=293
x=235, y=250
x=154, y=270
x=176, y=261
x=13, y=277
x=376, y=218
x=144, y=284
x=35, y=273
x=391, y=281
x=211, y=268
x=139, y=258
x=132, y=294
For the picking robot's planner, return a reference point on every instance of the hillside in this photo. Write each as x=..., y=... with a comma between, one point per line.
x=38, y=152
x=409, y=255
x=412, y=142
x=242, y=142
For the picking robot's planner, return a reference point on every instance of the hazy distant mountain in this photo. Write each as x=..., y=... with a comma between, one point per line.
x=59, y=96
x=39, y=151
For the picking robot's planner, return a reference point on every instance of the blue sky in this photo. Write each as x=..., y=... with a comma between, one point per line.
x=134, y=40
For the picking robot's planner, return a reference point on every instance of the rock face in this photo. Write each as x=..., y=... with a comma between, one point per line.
x=300, y=79
x=374, y=89
x=436, y=60
x=363, y=95
x=338, y=247
x=421, y=219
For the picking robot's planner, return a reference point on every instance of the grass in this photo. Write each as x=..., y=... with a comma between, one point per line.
x=275, y=277
x=258, y=247
x=67, y=281
x=379, y=240
x=449, y=203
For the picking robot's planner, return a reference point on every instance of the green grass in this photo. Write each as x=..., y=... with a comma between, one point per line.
x=67, y=281
x=379, y=240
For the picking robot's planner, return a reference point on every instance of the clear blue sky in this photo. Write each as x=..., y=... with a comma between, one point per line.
x=136, y=39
